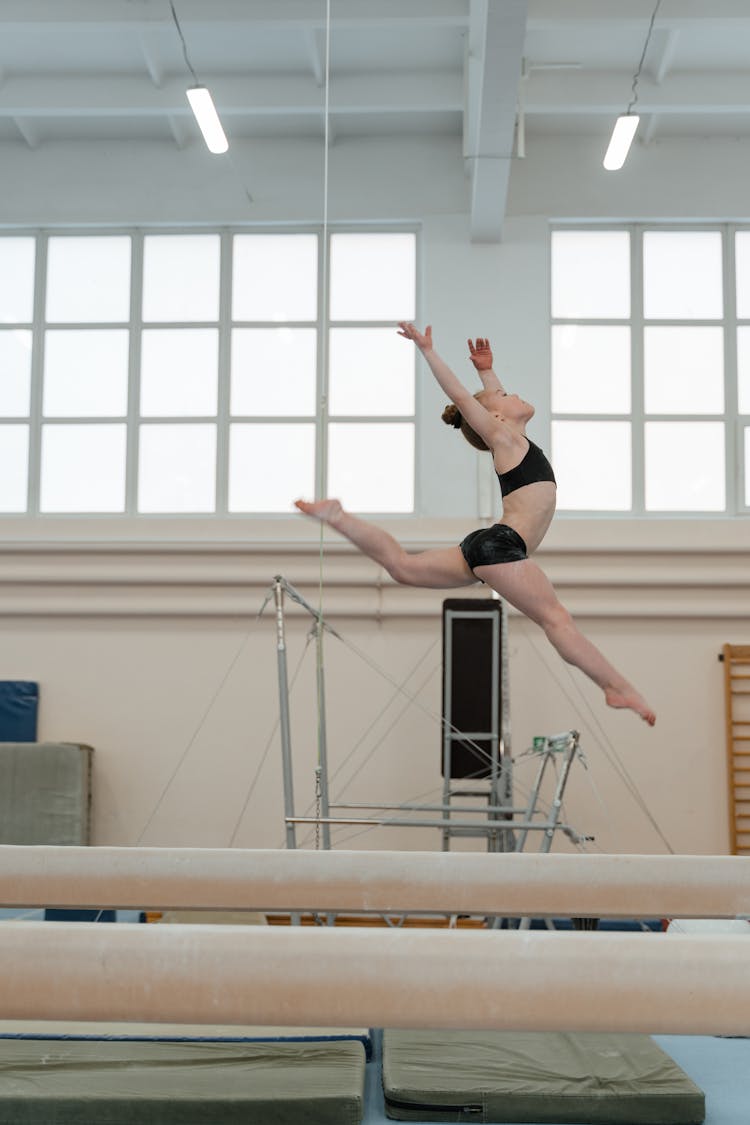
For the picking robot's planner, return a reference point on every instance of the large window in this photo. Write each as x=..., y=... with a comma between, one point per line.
x=650, y=385
x=223, y=372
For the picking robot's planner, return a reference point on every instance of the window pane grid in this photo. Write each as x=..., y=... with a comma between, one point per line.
x=132, y=356
x=685, y=370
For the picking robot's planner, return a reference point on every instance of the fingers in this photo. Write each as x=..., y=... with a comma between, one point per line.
x=410, y=332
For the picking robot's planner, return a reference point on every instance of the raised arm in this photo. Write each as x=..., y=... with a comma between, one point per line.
x=480, y=354
x=475, y=414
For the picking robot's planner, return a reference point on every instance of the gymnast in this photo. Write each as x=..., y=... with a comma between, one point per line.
x=495, y=421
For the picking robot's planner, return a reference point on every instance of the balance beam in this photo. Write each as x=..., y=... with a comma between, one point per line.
x=560, y=885
x=323, y=977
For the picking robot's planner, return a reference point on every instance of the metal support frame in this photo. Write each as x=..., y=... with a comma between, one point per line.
x=498, y=824
x=567, y=744
x=278, y=589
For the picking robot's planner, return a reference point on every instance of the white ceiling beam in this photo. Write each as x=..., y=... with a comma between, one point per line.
x=123, y=96
x=315, y=46
x=288, y=14
x=606, y=93
x=179, y=127
x=661, y=55
x=614, y=15
x=543, y=14
x=650, y=129
x=496, y=38
x=150, y=53
x=29, y=131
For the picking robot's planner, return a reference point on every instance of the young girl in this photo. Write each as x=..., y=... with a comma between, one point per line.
x=492, y=420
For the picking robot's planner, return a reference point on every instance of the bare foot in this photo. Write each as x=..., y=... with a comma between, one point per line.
x=327, y=511
x=630, y=698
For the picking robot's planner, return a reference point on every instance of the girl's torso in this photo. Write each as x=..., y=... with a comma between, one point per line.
x=528, y=486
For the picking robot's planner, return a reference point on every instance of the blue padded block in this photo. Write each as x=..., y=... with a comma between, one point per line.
x=19, y=703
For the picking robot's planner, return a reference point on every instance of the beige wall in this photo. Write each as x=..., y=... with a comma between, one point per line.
x=154, y=656
x=131, y=629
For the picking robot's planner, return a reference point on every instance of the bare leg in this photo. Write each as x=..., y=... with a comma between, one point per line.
x=438, y=569
x=527, y=588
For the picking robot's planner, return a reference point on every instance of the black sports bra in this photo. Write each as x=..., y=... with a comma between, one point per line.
x=534, y=467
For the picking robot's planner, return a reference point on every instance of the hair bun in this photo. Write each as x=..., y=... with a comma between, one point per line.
x=452, y=416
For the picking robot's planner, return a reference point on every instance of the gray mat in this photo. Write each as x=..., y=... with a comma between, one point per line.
x=45, y=793
x=540, y=1077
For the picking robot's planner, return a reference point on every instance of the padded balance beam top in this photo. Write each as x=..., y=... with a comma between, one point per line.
x=608, y=886
x=532, y=981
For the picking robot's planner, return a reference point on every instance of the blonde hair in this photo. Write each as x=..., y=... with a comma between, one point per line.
x=452, y=416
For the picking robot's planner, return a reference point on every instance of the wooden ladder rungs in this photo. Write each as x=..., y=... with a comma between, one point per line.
x=736, y=660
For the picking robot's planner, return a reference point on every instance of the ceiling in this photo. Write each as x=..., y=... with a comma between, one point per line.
x=496, y=74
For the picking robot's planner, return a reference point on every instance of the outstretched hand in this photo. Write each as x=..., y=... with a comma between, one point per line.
x=327, y=511
x=423, y=342
x=480, y=353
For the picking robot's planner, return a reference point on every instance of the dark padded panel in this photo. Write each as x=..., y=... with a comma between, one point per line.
x=471, y=682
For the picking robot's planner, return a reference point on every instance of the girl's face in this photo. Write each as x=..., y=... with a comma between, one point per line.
x=509, y=407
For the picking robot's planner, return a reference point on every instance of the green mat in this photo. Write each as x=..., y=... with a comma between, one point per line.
x=549, y=1078
x=115, y=1083
x=45, y=793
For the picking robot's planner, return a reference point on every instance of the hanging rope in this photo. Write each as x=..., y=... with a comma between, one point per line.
x=192, y=739
x=323, y=420
x=345, y=785
x=605, y=745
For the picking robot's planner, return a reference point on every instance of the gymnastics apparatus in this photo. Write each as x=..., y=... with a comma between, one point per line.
x=646, y=982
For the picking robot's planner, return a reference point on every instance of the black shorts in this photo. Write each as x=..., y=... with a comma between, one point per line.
x=496, y=544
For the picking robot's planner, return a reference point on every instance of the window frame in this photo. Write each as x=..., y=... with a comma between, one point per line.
x=733, y=422
x=223, y=420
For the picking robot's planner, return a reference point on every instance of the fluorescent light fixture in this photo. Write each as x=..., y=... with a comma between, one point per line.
x=204, y=109
x=620, y=141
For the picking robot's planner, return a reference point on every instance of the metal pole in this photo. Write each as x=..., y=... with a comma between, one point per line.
x=506, y=753
x=390, y=822
x=502, y=809
x=533, y=798
x=286, y=744
x=447, y=722
x=322, y=744
x=495, y=843
x=553, y=820
x=554, y=813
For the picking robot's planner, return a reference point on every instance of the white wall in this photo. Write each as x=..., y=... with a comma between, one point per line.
x=131, y=629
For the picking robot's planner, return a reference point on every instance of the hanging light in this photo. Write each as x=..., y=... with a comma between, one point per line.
x=202, y=105
x=627, y=123
x=201, y=102
x=625, y=129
